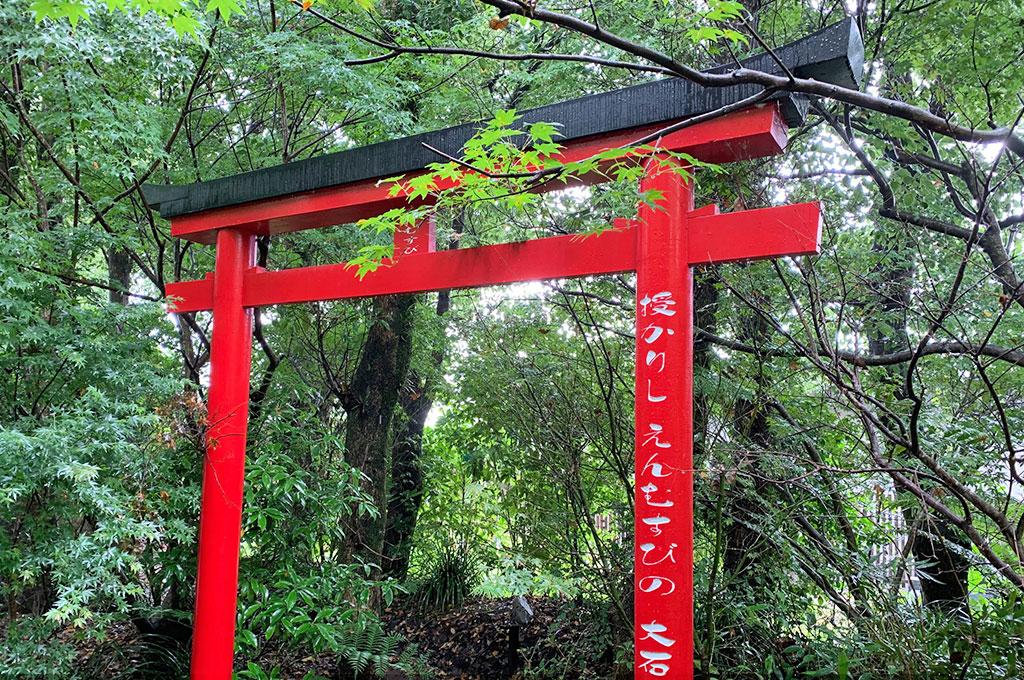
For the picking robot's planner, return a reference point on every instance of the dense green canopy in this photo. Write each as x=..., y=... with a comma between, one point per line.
x=858, y=413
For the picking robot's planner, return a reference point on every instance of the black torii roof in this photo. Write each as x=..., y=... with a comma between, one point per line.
x=834, y=54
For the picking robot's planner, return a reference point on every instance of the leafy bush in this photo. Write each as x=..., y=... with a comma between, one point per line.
x=75, y=491
x=328, y=611
x=30, y=651
x=518, y=575
x=300, y=592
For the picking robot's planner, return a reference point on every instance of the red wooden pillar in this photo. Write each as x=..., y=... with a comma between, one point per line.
x=663, y=551
x=220, y=519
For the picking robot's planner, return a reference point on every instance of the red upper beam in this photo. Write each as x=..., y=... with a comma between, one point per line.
x=752, y=133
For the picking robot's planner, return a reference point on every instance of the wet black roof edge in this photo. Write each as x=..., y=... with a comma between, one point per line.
x=834, y=54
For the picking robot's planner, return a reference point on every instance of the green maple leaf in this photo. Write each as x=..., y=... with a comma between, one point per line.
x=225, y=7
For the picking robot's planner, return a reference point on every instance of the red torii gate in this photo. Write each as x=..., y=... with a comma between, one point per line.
x=661, y=245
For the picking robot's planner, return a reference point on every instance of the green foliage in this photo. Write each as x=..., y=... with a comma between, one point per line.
x=517, y=575
x=529, y=467
x=297, y=594
x=80, y=460
x=719, y=12
x=30, y=652
x=503, y=166
x=324, y=612
x=448, y=580
x=184, y=16
x=67, y=460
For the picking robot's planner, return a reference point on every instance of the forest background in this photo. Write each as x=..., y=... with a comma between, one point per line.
x=858, y=413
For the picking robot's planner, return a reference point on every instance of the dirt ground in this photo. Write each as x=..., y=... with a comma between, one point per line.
x=471, y=642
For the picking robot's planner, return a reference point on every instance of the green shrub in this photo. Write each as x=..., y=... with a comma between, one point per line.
x=448, y=581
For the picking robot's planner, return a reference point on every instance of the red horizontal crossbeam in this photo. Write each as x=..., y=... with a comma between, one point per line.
x=754, y=234
x=750, y=234
x=752, y=133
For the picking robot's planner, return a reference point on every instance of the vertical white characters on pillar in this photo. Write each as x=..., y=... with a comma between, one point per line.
x=656, y=660
x=406, y=242
x=656, y=557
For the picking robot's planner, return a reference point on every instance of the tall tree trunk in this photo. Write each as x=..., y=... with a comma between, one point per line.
x=943, y=568
x=745, y=546
x=370, y=406
x=406, y=491
x=405, y=494
x=705, y=318
x=705, y=313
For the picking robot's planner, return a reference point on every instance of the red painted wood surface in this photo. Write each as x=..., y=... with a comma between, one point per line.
x=220, y=518
x=752, y=133
x=754, y=234
x=751, y=234
x=545, y=258
x=663, y=474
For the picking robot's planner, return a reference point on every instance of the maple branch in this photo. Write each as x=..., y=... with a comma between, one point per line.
x=396, y=50
x=553, y=172
x=898, y=109
x=954, y=347
x=186, y=108
x=73, y=180
x=88, y=283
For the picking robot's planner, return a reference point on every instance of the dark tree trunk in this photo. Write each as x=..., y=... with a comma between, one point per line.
x=705, y=313
x=406, y=491
x=370, y=406
x=943, y=570
x=119, y=272
x=745, y=546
